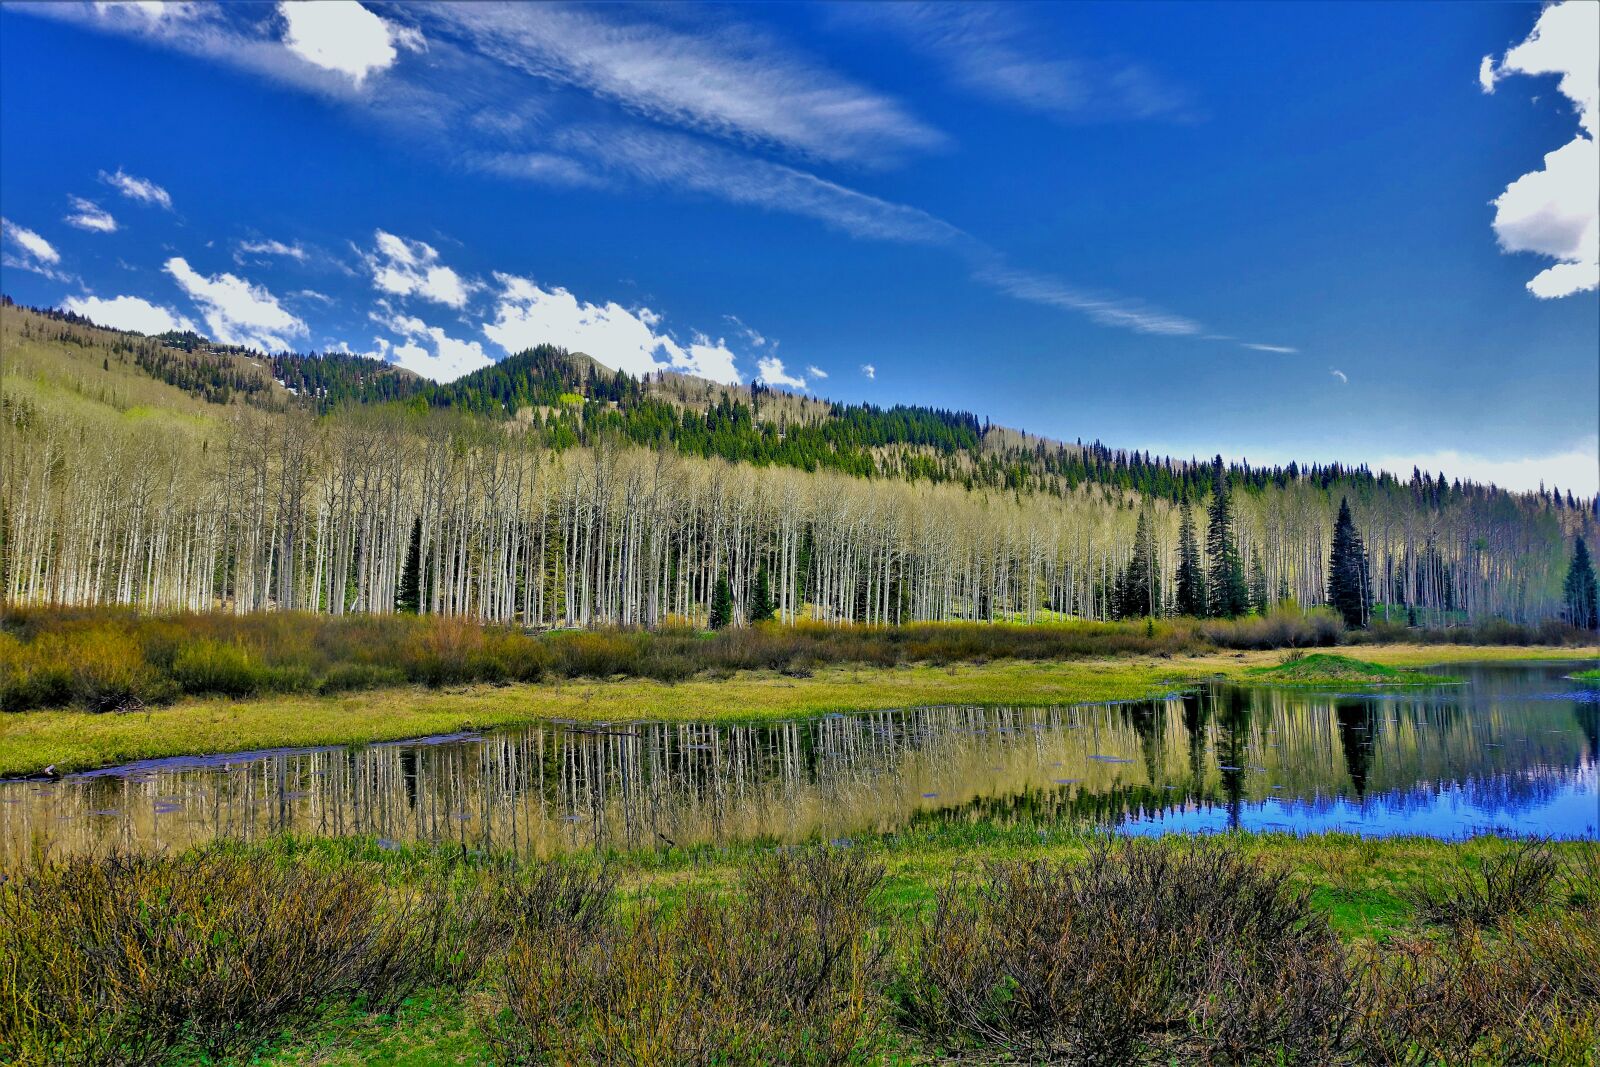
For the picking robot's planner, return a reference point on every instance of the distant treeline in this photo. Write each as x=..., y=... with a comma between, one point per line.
x=632, y=503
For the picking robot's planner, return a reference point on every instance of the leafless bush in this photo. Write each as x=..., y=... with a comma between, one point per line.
x=786, y=971
x=1504, y=885
x=1142, y=952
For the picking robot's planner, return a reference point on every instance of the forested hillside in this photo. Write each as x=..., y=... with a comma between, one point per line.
x=172, y=473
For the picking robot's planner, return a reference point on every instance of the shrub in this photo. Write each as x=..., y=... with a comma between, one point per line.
x=124, y=958
x=1280, y=628
x=783, y=973
x=207, y=666
x=348, y=677
x=1528, y=994
x=1512, y=883
x=1144, y=951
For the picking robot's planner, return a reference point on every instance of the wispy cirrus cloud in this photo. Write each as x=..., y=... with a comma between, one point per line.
x=23, y=249
x=141, y=189
x=725, y=80
x=1105, y=309
x=87, y=215
x=990, y=49
x=269, y=248
x=675, y=93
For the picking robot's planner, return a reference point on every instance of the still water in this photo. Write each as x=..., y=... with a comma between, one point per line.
x=1516, y=749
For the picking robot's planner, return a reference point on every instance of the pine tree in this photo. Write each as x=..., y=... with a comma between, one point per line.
x=1226, y=593
x=1191, y=591
x=1578, y=591
x=409, y=596
x=722, y=604
x=1140, y=593
x=1259, y=599
x=1349, y=589
x=761, y=606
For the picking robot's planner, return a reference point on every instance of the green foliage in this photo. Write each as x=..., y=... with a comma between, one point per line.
x=1226, y=593
x=722, y=603
x=1191, y=577
x=1578, y=592
x=1349, y=586
x=761, y=604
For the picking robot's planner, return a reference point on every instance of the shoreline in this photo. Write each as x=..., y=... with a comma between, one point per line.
x=73, y=741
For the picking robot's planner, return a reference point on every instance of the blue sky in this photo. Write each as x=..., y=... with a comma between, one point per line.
x=1266, y=230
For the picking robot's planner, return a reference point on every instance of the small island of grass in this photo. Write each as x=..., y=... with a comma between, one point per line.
x=1588, y=678
x=1326, y=668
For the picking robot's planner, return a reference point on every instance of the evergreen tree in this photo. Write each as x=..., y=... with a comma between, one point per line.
x=1349, y=589
x=1578, y=591
x=761, y=605
x=1226, y=593
x=1191, y=591
x=1259, y=599
x=1140, y=592
x=409, y=596
x=722, y=604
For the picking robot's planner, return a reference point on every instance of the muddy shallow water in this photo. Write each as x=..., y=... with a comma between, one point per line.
x=1516, y=749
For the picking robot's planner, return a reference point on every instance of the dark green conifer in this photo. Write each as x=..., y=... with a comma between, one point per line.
x=1226, y=593
x=1141, y=582
x=761, y=605
x=1578, y=591
x=1349, y=589
x=722, y=604
x=1191, y=590
x=409, y=596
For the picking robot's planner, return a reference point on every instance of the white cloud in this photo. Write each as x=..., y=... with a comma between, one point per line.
x=140, y=189
x=312, y=294
x=1102, y=308
x=771, y=372
x=1553, y=212
x=992, y=50
x=127, y=313
x=270, y=247
x=1572, y=468
x=450, y=359
x=237, y=312
x=1339, y=374
x=1280, y=349
x=869, y=370
x=343, y=36
x=715, y=78
x=36, y=247
x=622, y=339
x=87, y=215
x=814, y=371
x=412, y=268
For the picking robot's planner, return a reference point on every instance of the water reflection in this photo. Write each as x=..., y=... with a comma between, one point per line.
x=1517, y=749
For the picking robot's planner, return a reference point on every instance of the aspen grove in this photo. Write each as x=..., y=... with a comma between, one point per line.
x=291, y=510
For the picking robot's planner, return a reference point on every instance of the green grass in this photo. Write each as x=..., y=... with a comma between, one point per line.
x=1587, y=677
x=1325, y=668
